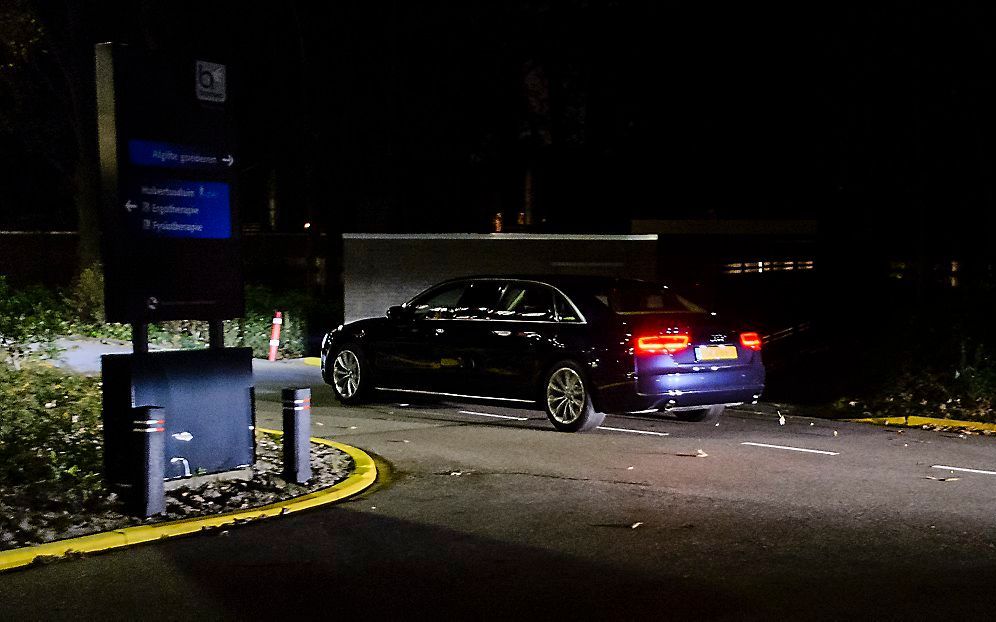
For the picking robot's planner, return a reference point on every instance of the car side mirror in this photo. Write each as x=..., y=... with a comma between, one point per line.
x=397, y=312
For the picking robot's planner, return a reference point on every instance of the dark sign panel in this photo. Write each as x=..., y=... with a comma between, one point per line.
x=167, y=154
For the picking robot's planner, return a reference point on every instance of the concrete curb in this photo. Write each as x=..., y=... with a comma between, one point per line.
x=312, y=360
x=917, y=422
x=363, y=476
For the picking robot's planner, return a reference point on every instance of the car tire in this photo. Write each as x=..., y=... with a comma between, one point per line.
x=709, y=414
x=566, y=399
x=348, y=373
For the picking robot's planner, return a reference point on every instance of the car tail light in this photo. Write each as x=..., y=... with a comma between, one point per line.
x=751, y=341
x=658, y=344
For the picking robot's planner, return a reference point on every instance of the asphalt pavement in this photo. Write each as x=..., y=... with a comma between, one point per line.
x=485, y=511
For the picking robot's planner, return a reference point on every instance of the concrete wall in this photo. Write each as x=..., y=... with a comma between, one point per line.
x=380, y=270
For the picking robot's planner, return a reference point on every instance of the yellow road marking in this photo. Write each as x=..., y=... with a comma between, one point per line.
x=917, y=422
x=363, y=476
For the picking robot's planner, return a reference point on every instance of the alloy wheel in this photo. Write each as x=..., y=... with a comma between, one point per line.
x=565, y=395
x=346, y=374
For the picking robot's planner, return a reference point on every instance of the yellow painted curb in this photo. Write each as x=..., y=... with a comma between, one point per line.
x=916, y=422
x=312, y=360
x=363, y=476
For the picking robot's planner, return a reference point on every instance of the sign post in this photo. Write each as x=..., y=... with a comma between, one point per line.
x=172, y=251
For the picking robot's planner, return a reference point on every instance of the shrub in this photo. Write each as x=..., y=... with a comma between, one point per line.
x=37, y=315
x=253, y=331
x=86, y=297
x=27, y=316
x=937, y=362
x=50, y=436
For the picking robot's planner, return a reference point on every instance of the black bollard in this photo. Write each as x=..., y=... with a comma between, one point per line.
x=148, y=493
x=297, y=434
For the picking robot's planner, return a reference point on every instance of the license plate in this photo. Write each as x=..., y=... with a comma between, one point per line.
x=715, y=353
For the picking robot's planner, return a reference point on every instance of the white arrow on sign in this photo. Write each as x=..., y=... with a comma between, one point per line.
x=130, y=206
x=229, y=160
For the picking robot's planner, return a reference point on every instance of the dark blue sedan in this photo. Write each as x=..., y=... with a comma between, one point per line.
x=578, y=346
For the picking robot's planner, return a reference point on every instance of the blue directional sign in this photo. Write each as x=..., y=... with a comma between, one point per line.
x=172, y=155
x=173, y=208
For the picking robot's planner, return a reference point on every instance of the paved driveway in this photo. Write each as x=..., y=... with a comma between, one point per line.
x=489, y=513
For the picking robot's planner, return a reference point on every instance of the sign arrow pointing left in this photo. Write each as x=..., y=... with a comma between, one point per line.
x=130, y=206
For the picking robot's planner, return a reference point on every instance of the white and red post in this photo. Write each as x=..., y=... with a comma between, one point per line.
x=278, y=319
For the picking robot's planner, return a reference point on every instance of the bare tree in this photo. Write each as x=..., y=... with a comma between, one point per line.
x=46, y=84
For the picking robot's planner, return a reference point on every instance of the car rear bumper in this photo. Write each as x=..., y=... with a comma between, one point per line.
x=680, y=382
x=616, y=402
x=682, y=390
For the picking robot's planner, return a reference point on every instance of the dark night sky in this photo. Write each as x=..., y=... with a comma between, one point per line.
x=402, y=116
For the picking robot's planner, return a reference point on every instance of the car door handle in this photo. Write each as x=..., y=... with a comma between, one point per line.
x=440, y=331
x=502, y=333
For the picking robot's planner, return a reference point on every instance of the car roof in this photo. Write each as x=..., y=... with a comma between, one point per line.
x=570, y=283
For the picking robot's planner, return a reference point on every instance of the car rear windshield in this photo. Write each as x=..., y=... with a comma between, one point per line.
x=644, y=297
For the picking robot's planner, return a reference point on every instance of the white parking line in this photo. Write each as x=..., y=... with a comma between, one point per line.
x=605, y=427
x=808, y=451
x=471, y=412
x=963, y=470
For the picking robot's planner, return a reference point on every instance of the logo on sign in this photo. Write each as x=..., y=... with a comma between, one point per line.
x=210, y=79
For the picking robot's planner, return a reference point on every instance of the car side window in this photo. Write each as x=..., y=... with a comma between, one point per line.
x=438, y=304
x=478, y=300
x=525, y=301
x=565, y=311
